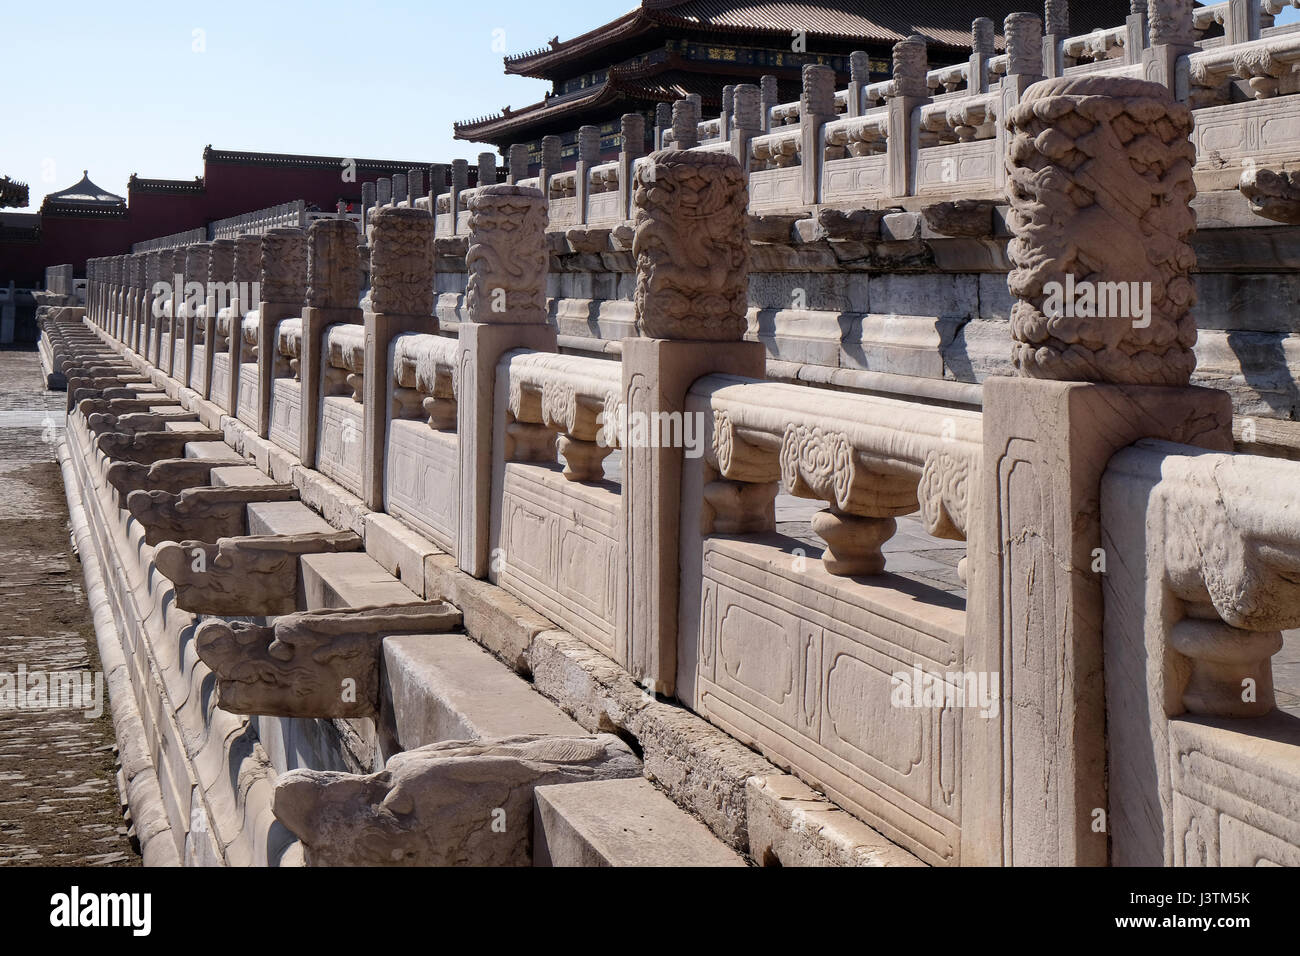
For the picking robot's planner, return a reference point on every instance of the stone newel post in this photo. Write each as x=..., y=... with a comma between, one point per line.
x=248, y=277
x=1172, y=35
x=981, y=37
x=401, y=300
x=632, y=138
x=910, y=92
x=692, y=254
x=135, y=302
x=193, y=295
x=283, y=290
x=1056, y=29
x=154, y=274
x=333, y=296
x=1084, y=212
x=221, y=294
x=506, y=301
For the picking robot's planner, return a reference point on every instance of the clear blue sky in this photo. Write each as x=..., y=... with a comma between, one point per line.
x=121, y=88
x=118, y=88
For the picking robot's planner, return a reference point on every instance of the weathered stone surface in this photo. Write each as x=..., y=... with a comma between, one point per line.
x=623, y=822
x=970, y=218
x=401, y=261
x=437, y=805
x=313, y=664
x=205, y=514
x=145, y=447
x=1273, y=194
x=243, y=576
x=169, y=474
x=506, y=257
x=691, y=246
x=1083, y=212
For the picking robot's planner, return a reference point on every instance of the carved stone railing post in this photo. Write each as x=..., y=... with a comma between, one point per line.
x=1056, y=28
x=506, y=300
x=632, y=138
x=414, y=185
x=686, y=125
x=663, y=122
x=518, y=163
x=552, y=163
x=173, y=262
x=367, y=207
x=747, y=122
x=588, y=156
x=692, y=253
x=383, y=192
x=1171, y=35
x=459, y=183
x=221, y=293
x=134, y=301
x=115, y=299
x=724, y=118
x=816, y=109
x=770, y=96
x=333, y=296
x=1203, y=579
x=248, y=278
x=284, y=290
x=981, y=37
x=401, y=300
x=1135, y=31
x=1024, y=38
x=154, y=297
x=194, y=294
x=400, y=189
x=487, y=169
x=909, y=95
x=1087, y=387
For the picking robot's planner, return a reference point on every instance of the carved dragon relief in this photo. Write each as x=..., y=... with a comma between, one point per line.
x=205, y=514
x=433, y=806
x=253, y=575
x=312, y=664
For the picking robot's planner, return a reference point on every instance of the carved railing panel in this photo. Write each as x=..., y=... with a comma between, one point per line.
x=1202, y=573
x=340, y=448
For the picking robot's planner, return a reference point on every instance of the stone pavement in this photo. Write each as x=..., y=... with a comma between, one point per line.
x=59, y=803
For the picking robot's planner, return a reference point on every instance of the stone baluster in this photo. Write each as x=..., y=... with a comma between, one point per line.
x=771, y=96
x=1056, y=28
x=115, y=298
x=981, y=36
x=487, y=169
x=284, y=292
x=632, y=148
x=459, y=183
x=414, y=186
x=910, y=91
x=196, y=280
x=401, y=300
x=1135, y=31
x=724, y=118
x=400, y=189
x=506, y=300
x=686, y=125
x=154, y=277
x=588, y=156
x=748, y=123
x=332, y=297
x=663, y=122
x=1023, y=32
x=222, y=293
x=174, y=262
x=816, y=109
x=692, y=252
x=518, y=164
x=136, y=303
x=367, y=206
x=1172, y=35
x=1081, y=213
x=859, y=79
x=383, y=191
x=248, y=282
x=551, y=164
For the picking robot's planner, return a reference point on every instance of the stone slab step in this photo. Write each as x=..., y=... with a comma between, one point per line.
x=447, y=687
x=192, y=425
x=284, y=517
x=349, y=579
x=620, y=823
x=242, y=476
x=215, y=450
